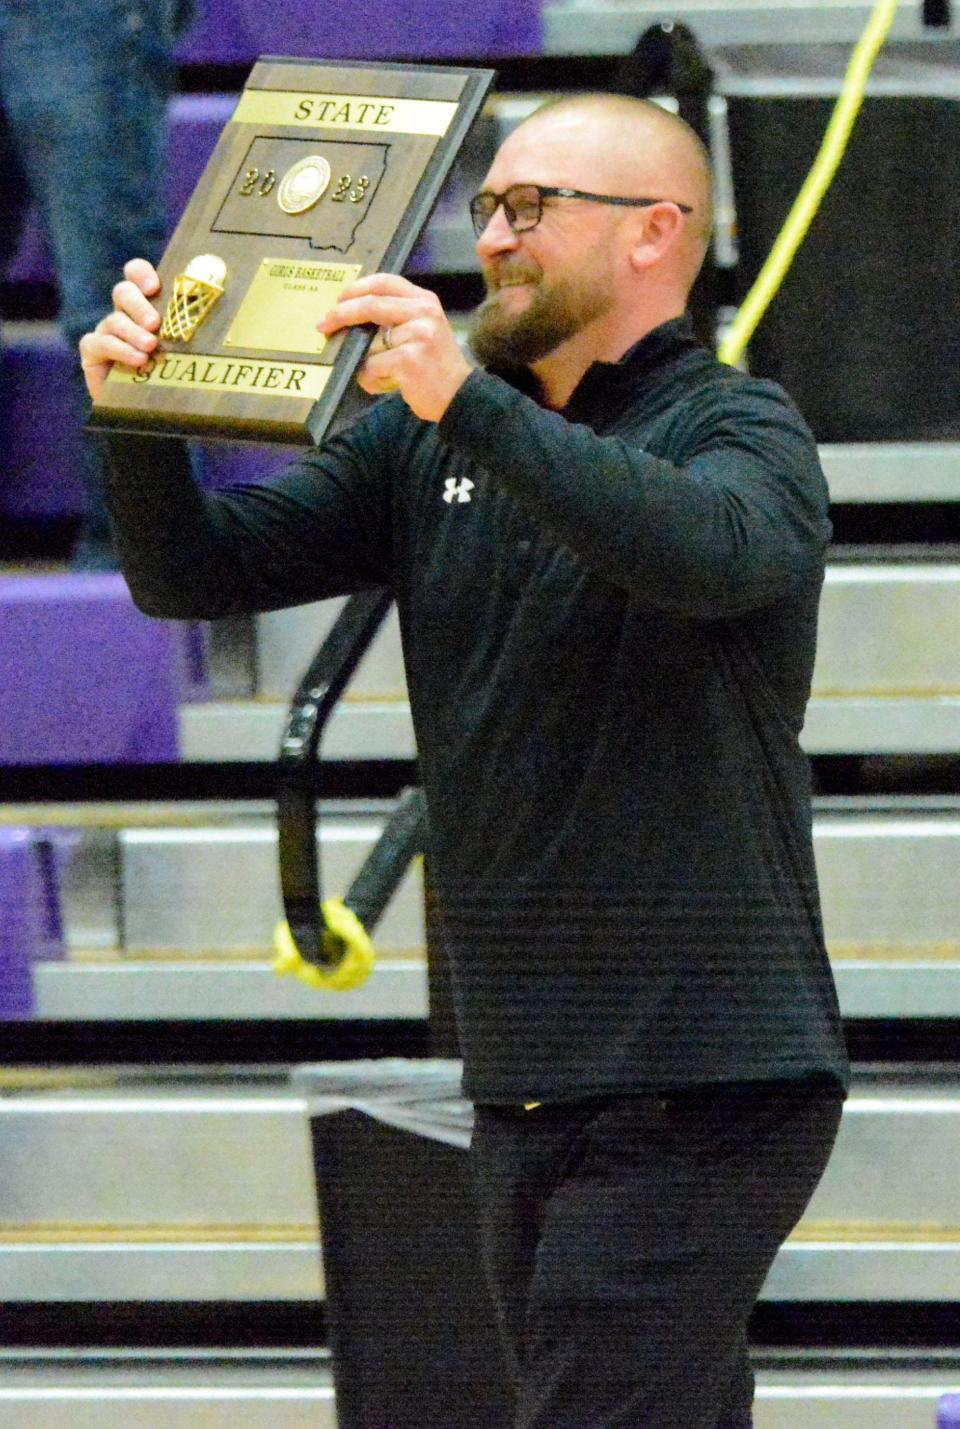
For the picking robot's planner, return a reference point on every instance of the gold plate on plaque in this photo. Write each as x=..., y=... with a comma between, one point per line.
x=304, y=184
x=372, y=113
x=285, y=301
x=209, y=372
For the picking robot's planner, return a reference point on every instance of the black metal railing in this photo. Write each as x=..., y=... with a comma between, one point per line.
x=325, y=680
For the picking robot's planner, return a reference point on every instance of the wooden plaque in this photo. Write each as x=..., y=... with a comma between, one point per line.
x=326, y=171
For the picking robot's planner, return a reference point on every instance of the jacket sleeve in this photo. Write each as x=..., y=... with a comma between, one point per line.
x=320, y=528
x=738, y=521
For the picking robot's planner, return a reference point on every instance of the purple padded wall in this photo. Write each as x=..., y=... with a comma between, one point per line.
x=237, y=31
x=86, y=677
x=948, y=1412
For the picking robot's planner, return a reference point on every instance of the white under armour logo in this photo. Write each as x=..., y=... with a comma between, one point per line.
x=457, y=490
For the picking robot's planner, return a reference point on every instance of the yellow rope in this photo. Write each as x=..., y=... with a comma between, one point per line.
x=345, y=935
x=817, y=182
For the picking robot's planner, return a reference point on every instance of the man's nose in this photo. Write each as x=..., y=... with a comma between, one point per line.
x=498, y=236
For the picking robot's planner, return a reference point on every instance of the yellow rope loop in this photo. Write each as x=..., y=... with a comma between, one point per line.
x=808, y=200
x=345, y=935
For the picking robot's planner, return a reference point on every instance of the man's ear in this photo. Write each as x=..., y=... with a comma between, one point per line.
x=658, y=235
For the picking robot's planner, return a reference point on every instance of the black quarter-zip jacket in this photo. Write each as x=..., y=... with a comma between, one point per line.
x=609, y=621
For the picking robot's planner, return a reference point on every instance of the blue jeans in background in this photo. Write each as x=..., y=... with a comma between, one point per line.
x=84, y=86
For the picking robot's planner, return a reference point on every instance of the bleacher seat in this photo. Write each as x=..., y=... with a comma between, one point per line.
x=237, y=31
x=38, y=435
x=87, y=678
x=42, y=445
x=30, y=927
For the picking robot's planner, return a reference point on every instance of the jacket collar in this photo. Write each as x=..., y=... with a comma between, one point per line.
x=603, y=382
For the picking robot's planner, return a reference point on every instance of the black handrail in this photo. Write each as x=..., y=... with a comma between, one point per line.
x=402, y=839
x=317, y=694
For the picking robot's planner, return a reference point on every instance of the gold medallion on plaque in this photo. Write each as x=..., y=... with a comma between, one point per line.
x=304, y=184
x=194, y=293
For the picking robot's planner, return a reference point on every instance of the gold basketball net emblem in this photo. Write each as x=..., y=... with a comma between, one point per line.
x=195, y=291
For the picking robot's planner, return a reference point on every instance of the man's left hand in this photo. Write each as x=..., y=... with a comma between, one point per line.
x=415, y=350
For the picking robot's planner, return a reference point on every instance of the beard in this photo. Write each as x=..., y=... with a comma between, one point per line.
x=558, y=309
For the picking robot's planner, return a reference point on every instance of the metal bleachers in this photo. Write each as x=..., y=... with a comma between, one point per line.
x=174, y=1223
x=172, y=916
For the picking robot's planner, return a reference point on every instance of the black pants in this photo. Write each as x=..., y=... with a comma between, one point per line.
x=626, y=1241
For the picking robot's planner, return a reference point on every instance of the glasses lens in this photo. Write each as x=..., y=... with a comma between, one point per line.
x=482, y=208
x=522, y=204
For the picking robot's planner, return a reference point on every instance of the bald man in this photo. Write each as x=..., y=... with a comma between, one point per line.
x=607, y=553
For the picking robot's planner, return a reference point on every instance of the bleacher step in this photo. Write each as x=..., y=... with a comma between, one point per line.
x=169, y=911
x=117, y=1391
x=594, y=27
x=294, y=1390
x=134, y=1187
x=184, y=991
x=249, y=731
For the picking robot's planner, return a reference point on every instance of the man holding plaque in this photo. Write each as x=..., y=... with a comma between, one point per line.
x=607, y=551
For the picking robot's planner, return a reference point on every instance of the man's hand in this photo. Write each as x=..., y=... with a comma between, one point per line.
x=128, y=335
x=415, y=350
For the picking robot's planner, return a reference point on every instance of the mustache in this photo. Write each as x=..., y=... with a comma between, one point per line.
x=503, y=272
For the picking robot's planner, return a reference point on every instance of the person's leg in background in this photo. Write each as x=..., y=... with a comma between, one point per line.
x=14, y=192
x=14, y=202
x=626, y=1247
x=85, y=84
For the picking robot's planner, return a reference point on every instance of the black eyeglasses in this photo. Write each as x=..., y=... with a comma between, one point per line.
x=523, y=204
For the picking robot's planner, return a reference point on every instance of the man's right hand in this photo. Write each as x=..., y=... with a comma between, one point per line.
x=128, y=335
